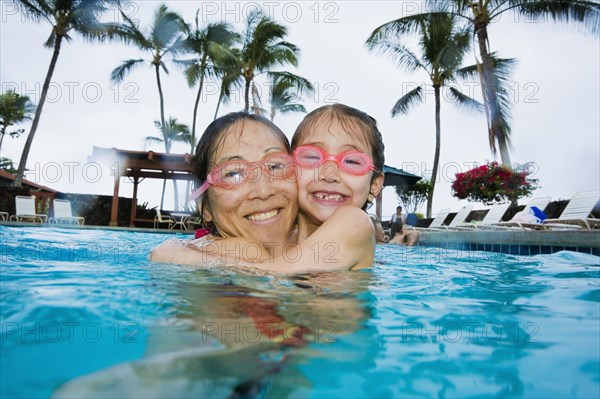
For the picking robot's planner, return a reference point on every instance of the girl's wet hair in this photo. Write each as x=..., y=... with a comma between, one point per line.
x=355, y=122
x=212, y=139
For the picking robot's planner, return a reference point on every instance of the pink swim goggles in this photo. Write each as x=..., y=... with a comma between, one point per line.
x=232, y=174
x=354, y=162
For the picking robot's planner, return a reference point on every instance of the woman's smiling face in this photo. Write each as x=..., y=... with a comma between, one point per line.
x=263, y=208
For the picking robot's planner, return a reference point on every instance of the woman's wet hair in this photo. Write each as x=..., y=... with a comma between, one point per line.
x=355, y=122
x=212, y=139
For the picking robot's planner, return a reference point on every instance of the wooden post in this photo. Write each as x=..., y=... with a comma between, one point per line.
x=379, y=204
x=136, y=181
x=115, y=201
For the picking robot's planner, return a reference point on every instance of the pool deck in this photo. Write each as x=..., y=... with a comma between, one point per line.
x=579, y=238
x=87, y=227
x=516, y=241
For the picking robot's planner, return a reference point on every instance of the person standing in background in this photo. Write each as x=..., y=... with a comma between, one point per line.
x=396, y=222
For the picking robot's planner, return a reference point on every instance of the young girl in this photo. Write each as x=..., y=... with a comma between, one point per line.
x=340, y=154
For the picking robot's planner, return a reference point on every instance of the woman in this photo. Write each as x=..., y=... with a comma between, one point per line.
x=252, y=197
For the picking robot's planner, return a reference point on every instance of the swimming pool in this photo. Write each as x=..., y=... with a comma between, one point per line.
x=85, y=314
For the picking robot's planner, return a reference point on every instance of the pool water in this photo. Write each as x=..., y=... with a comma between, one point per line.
x=85, y=314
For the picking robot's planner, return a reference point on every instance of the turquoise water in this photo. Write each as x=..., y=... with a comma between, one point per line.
x=84, y=314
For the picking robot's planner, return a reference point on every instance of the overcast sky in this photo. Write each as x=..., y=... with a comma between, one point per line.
x=556, y=121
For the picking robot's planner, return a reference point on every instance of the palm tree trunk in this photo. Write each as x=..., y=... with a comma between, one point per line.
x=162, y=196
x=160, y=95
x=197, y=103
x=247, y=95
x=162, y=122
x=188, y=187
x=436, y=155
x=38, y=112
x=1, y=140
x=218, y=104
x=497, y=129
x=175, y=195
x=187, y=195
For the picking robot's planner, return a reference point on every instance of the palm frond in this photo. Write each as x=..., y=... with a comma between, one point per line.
x=49, y=43
x=469, y=73
x=292, y=81
x=167, y=26
x=192, y=73
x=129, y=32
x=586, y=13
x=34, y=9
x=407, y=101
x=119, y=73
x=404, y=26
x=163, y=66
x=173, y=130
x=152, y=140
x=465, y=102
x=400, y=55
x=283, y=109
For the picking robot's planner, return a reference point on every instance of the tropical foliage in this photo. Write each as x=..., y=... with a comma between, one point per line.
x=479, y=14
x=493, y=182
x=65, y=17
x=442, y=45
x=264, y=48
x=412, y=197
x=14, y=109
x=212, y=46
x=283, y=98
x=162, y=40
x=172, y=131
x=7, y=165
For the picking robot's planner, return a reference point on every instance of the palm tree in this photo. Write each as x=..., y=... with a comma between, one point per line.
x=14, y=109
x=164, y=38
x=479, y=14
x=263, y=48
x=283, y=98
x=81, y=16
x=231, y=79
x=443, y=46
x=212, y=47
x=172, y=131
x=192, y=142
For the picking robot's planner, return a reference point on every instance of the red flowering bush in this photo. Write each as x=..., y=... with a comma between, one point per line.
x=493, y=182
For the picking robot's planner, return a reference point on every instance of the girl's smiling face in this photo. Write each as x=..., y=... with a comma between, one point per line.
x=324, y=189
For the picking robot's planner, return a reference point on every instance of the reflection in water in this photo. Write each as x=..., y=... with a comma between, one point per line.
x=238, y=336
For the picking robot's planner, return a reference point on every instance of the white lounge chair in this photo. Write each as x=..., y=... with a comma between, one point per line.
x=160, y=219
x=577, y=212
x=540, y=202
x=459, y=219
x=3, y=215
x=494, y=215
x=64, y=214
x=25, y=210
x=436, y=222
